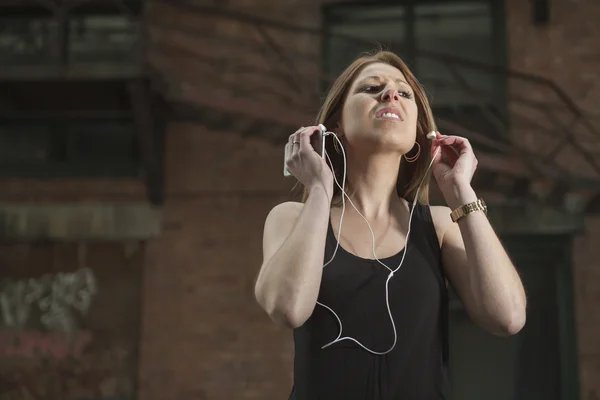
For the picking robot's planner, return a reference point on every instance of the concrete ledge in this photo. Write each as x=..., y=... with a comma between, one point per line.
x=79, y=221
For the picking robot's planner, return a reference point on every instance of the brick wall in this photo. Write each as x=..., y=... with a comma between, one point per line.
x=566, y=51
x=203, y=336
x=70, y=319
x=71, y=190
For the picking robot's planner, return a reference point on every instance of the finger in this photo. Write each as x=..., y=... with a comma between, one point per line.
x=450, y=155
x=447, y=153
x=460, y=144
x=295, y=144
x=297, y=139
x=291, y=138
x=299, y=130
x=288, y=151
x=436, y=152
x=439, y=164
x=304, y=137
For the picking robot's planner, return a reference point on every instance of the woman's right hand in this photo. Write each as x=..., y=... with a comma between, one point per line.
x=305, y=164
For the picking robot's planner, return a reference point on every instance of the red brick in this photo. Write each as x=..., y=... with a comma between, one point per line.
x=224, y=347
x=203, y=336
x=566, y=51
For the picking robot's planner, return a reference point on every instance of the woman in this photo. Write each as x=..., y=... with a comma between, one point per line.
x=354, y=340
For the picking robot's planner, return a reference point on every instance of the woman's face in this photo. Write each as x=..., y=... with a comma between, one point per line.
x=380, y=113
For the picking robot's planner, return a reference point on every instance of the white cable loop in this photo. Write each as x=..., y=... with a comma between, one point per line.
x=339, y=338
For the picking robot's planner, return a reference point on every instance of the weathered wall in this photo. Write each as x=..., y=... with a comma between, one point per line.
x=566, y=51
x=216, y=350
x=70, y=320
x=204, y=337
x=202, y=334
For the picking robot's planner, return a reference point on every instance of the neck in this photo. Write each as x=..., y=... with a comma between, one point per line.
x=372, y=183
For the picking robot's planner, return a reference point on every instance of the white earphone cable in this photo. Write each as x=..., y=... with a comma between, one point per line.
x=339, y=338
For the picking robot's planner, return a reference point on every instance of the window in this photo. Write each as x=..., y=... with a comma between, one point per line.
x=29, y=40
x=67, y=148
x=69, y=128
x=87, y=33
x=461, y=30
x=447, y=44
x=63, y=129
x=97, y=38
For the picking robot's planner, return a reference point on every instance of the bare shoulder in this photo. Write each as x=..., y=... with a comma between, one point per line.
x=284, y=213
x=278, y=226
x=441, y=220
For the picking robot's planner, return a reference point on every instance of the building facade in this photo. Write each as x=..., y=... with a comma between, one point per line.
x=163, y=227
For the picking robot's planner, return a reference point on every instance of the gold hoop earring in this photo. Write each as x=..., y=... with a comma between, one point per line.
x=416, y=156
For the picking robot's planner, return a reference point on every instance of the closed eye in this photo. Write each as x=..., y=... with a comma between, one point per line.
x=406, y=94
x=378, y=88
x=371, y=88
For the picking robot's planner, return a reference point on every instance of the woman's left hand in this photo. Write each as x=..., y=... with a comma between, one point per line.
x=454, y=170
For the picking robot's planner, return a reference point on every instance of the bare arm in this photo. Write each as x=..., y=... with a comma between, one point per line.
x=293, y=255
x=479, y=269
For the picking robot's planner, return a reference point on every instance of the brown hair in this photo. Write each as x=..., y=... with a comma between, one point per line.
x=410, y=174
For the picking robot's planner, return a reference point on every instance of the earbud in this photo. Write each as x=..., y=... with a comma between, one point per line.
x=431, y=135
x=323, y=130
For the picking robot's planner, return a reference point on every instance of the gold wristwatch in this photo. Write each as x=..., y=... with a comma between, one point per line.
x=468, y=208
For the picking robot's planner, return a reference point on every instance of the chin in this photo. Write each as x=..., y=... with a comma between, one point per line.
x=394, y=146
x=397, y=139
x=382, y=138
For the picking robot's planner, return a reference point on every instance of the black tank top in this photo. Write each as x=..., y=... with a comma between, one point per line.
x=416, y=369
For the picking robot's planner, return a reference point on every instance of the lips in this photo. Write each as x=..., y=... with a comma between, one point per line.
x=391, y=113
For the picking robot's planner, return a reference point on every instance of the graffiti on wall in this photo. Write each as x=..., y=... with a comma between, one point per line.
x=57, y=299
x=33, y=344
x=71, y=334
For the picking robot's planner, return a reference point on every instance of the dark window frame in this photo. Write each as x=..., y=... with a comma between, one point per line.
x=498, y=41
x=62, y=125
x=58, y=49
x=58, y=152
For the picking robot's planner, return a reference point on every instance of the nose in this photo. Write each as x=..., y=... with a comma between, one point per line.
x=390, y=94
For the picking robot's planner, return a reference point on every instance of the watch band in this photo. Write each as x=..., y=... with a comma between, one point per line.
x=468, y=208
